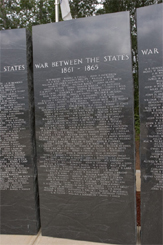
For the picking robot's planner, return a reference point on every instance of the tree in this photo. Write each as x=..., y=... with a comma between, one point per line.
x=23, y=13
x=84, y=8
x=4, y=20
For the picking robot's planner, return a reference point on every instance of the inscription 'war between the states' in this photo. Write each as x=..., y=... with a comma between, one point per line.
x=91, y=63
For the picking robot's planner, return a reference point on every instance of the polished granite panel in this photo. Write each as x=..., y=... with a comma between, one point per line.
x=85, y=138
x=150, y=50
x=19, y=196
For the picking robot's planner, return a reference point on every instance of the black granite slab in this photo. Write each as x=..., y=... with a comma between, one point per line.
x=84, y=118
x=150, y=50
x=18, y=187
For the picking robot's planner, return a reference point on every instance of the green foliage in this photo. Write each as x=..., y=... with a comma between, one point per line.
x=83, y=8
x=25, y=13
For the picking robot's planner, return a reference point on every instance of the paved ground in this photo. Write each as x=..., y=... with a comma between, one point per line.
x=40, y=240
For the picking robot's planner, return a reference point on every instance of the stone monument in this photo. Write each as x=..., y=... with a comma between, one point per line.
x=18, y=186
x=85, y=132
x=150, y=51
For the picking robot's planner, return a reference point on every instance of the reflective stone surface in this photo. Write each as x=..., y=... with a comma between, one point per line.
x=150, y=47
x=19, y=196
x=84, y=118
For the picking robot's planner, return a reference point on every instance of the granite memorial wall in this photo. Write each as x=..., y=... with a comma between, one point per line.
x=18, y=187
x=150, y=51
x=84, y=129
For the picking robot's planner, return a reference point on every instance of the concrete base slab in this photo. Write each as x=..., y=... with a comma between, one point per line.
x=43, y=240
x=17, y=240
